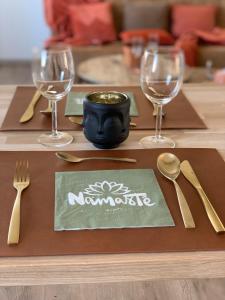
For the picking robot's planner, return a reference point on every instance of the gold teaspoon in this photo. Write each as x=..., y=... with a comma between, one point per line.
x=169, y=166
x=75, y=159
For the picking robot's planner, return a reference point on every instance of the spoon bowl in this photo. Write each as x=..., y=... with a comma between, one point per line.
x=169, y=165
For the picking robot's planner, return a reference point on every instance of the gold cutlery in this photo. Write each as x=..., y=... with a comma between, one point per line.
x=79, y=121
x=20, y=182
x=190, y=175
x=169, y=166
x=29, y=112
x=75, y=159
x=48, y=110
x=76, y=120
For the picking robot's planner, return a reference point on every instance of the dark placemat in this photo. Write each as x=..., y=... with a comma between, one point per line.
x=37, y=217
x=180, y=113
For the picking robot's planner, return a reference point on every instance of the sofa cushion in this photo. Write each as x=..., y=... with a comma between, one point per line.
x=92, y=23
x=144, y=14
x=56, y=14
x=163, y=37
x=186, y=18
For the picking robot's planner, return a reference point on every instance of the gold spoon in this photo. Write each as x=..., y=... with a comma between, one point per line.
x=169, y=166
x=79, y=121
x=75, y=159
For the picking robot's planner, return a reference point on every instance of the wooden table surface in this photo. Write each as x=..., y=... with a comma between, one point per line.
x=209, y=101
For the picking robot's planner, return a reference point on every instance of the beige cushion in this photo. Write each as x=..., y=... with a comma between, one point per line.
x=144, y=14
x=221, y=15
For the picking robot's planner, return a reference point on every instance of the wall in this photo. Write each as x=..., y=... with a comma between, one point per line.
x=22, y=27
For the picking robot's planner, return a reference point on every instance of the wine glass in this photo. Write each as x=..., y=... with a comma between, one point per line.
x=53, y=75
x=137, y=46
x=161, y=78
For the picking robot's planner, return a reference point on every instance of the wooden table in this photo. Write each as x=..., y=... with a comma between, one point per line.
x=110, y=69
x=93, y=272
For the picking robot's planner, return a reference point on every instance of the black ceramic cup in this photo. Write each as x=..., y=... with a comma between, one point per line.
x=106, y=118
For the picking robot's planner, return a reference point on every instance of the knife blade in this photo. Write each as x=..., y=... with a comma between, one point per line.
x=190, y=175
x=29, y=112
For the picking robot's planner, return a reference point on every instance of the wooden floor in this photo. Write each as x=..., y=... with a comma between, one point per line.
x=17, y=72
x=156, y=290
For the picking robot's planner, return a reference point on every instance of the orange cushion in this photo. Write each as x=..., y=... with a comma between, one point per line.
x=56, y=14
x=163, y=37
x=186, y=18
x=92, y=23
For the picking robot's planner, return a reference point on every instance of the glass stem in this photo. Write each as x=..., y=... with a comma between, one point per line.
x=54, y=119
x=158, y=122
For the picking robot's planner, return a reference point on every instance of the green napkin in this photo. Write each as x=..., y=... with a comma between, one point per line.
x=74, y=104
x=109, y=199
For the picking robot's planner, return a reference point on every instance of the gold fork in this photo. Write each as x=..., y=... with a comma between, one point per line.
x=21, y=181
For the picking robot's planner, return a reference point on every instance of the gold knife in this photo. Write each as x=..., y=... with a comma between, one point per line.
x=189, y=174
x=29, y=112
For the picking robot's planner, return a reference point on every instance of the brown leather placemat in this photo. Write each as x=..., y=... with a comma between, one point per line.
x=180, y=113
x=37, y=217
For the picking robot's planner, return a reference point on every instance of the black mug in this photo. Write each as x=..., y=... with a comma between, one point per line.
x=106, y=118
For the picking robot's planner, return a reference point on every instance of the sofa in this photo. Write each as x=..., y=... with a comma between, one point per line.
x=215, y=53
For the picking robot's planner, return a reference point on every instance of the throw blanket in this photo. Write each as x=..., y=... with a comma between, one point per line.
x=216, y=36
x=188, y=42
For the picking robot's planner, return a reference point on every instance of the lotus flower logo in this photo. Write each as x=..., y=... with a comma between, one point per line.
x=109, y=193
x=105, y=187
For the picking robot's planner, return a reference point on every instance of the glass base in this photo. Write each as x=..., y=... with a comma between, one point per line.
x=153, y=142
x=60, y=140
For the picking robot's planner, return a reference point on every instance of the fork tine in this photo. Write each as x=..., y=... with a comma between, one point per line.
x=17, y=171
x=21, y=172
x=15, y=174
x=24, y=170
x=27, y=178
